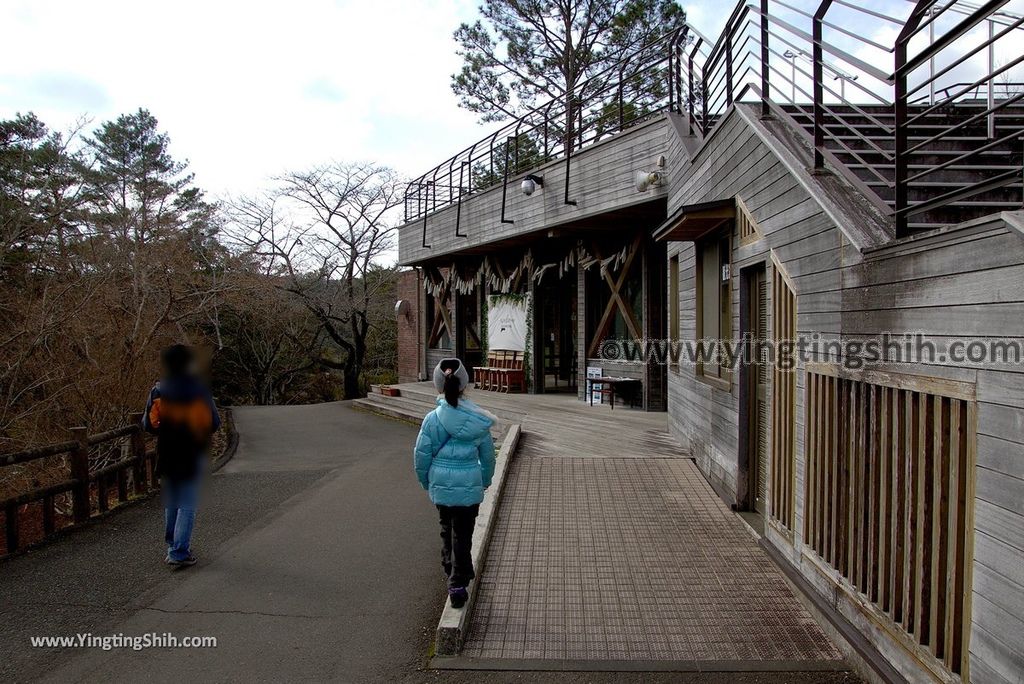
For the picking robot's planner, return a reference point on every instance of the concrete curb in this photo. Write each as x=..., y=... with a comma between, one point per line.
x=451, y=630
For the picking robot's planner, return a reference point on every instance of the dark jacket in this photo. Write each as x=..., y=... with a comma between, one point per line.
x=182, y=415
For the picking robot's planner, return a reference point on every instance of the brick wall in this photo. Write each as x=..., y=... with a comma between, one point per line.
x=410, y=341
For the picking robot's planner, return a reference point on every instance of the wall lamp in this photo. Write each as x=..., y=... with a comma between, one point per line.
x=531, y=183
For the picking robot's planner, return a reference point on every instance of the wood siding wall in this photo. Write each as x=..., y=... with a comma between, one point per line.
x=965, y=281
x=601, y=181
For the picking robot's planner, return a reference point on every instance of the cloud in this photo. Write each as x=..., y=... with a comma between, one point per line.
x=248, y=90
x=58, y=90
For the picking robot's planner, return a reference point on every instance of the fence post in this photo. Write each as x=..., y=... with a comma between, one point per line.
x=138, y=446
x=11, y=523
x=80, y=473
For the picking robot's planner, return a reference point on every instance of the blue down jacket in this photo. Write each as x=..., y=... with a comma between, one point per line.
x=454, y=454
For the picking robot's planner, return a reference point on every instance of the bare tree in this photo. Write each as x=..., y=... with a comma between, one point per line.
x=321, y=234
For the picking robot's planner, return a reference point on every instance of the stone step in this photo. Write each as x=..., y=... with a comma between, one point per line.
x=414, y=404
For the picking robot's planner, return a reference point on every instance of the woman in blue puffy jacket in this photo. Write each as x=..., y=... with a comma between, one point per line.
x=454, y=461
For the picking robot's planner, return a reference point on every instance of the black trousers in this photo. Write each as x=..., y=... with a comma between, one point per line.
x=457, y=523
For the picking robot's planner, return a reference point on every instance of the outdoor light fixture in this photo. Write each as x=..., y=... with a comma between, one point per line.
x=402, y=308
x=643, y=180
x=531, y=183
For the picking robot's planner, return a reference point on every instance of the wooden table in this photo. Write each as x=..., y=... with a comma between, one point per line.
x=609, y=386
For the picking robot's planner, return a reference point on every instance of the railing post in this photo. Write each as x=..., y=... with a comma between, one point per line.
x=818, y=86
x=728, y=68
x=79, y=461
x=138, y=447
x=765, y=55
x=900, y=142
x=622, y=112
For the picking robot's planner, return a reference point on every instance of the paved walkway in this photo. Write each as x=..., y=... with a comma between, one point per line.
x=611, y=546
x=633, y=559
x=318, y=562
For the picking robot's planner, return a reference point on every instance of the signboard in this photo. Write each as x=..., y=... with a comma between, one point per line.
x=595, y=387
x=506, y=323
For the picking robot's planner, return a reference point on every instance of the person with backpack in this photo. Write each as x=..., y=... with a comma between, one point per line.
x=454, y=461
x=182, y=415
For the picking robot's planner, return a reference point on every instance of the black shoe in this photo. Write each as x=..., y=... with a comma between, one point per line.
x=458, y=596
x=184, y=563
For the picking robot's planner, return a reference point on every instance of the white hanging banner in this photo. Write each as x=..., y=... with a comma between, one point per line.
x=506, y=323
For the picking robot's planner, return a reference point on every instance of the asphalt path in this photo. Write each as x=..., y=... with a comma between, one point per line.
x=318, y=561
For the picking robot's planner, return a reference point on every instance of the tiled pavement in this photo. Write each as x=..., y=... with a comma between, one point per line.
x=631, y=559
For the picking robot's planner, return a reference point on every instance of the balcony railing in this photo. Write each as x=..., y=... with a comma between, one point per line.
x=861, y=102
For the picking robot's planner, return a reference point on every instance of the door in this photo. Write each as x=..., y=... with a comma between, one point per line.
x=757, y=378
x=469, y=346
x=556, y=327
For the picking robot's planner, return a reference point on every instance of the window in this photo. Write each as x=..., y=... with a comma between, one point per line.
x=714, y=306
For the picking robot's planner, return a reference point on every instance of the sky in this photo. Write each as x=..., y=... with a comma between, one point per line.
x=249, y=90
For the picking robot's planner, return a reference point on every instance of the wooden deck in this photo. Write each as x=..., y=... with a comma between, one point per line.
x=562, y=425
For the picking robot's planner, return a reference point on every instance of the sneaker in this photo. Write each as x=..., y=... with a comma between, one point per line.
x=184, y=563
x=458, y=596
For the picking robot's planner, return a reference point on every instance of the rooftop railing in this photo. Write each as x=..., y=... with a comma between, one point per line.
x=861, y=100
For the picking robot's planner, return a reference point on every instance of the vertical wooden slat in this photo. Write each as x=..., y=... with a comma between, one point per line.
x=49, y=523
x=910, y=557
x=940, y=483
x=823, y=469
x=849, y=554
x=921, y=538
x=872, y=526
x=11, y=527
x=884, y=520
x=969, y=447
x=954, y=530
x=837, y=493
x=102, y=495
x=810, y=450
x=79, y=463
x=122, y=485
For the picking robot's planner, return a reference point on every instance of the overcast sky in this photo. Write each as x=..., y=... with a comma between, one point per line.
x=248, y=90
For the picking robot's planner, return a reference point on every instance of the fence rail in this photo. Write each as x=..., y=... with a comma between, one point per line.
x=807, y=63
x=134, y=472
x=889, y=498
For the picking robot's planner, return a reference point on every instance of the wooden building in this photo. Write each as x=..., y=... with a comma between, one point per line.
x=738, y=208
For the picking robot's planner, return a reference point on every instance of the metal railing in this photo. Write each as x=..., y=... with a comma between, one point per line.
x=626, y=93
x=861, y=102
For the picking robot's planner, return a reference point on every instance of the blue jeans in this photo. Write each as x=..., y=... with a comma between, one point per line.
x=180, y=499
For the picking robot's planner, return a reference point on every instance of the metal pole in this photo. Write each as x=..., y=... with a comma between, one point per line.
x=931, y=60
x=900, y=111
x=991, y=82
x=764, y=59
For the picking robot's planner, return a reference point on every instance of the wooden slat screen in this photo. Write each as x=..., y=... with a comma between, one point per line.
x=783, y=460
x=746, y=226
x=889, y=498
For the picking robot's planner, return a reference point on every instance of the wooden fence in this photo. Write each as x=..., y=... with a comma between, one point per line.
x=890, y=497
x=134, y=472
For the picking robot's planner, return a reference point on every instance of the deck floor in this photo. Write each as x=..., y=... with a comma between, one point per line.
x=611, y=545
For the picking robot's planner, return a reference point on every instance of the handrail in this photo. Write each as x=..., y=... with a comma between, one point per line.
x=687, y=73
x=83, y=480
